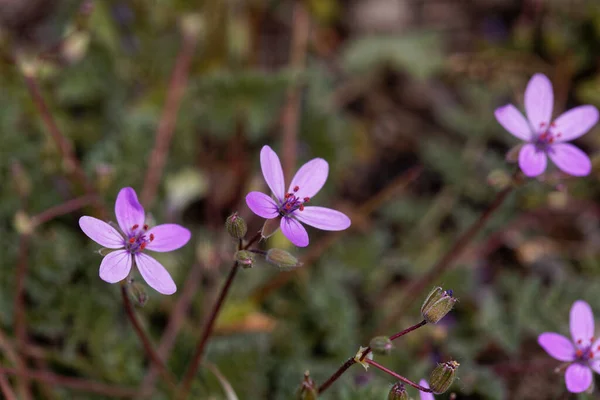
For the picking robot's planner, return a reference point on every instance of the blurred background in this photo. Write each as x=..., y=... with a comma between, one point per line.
x=175, y=98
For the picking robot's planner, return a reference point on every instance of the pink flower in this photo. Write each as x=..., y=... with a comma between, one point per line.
x=583, y=353
x=290, y=205
x=545, y=138
x=133, y=238
x=425, y=395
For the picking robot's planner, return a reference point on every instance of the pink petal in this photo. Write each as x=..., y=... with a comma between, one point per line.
x=513, y=121
x=531, y=160
x=425, y=395
x=101, y=232
x=539, y=101
x=323, y=218
x=581, y=322
x=262, y=205
x=155, y=275
x=595, y=364
x=557, y=346
x=294, y=231
x=167, y=237
x=129, y=211
x=575, y=123
x=310, y=178
x=578, y=378
x=570, y=159
x=272, y=171
x=115, y=266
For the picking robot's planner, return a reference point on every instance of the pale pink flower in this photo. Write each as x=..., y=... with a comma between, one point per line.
x=425, y=395
x=290, y=206
x=582, y=353
x=135, y=237
x=545, y=138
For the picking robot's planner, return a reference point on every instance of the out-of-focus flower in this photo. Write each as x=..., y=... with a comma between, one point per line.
x=583, y=352
x=290, y=205
x=425, y=395
x=545, y=138
x=129, y=243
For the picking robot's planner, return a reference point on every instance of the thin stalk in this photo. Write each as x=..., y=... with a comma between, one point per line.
x=395, y=336
x=351, y=361
x=399, y=377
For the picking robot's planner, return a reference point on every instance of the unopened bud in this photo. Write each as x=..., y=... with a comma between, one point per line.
x=442, y=376
x=437, y=305
x=398, y=392
x=307, y=390
x=236, y=226
x=283, y=259
x=244, y=258
x=381, y=345
x=138, y=293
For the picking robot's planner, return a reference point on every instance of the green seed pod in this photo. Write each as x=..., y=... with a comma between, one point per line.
x=236, y=226
x=244, y=258
x=442, y=376
x=381, y=345
x=437, y=305
x=283, y=259
x=398, y=392
x=307, y=390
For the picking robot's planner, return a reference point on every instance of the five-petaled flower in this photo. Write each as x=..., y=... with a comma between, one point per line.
x=135, y=237
x=545, y=138
x=582, y=354
x=425, y=395
x=290, y=205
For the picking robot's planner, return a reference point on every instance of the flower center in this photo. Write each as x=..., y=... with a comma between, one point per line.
x=138, y=240
x=585, y=352
x=546, y=137
x=292, y=202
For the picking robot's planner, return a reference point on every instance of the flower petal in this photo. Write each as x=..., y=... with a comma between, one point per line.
x=294, y=231
x=595, y=364
x=115, y=266
x=262, y=205
x=539, y=101
x=155, y=275
x=578, y=378
x=557, y=346
x=272, y=171
x=574, y=123
x=570, y=159
x=129, y=211
x=323, y=218
x=167, y=237
x=101, y=232
x=581, y=322
x=513, y=121
x=425, y=395
x=532, y=161
x=310, y=178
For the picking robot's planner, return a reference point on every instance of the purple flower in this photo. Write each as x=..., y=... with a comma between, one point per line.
x=290, y=205
x=544, y=138
x=425, y=395
x=133, y=238
x=582, y=354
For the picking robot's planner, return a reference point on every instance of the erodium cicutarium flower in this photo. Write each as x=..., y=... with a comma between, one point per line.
x=291, y=206
x=545, y=138
x=425, y=395
x=130, y=243
x=582, y=353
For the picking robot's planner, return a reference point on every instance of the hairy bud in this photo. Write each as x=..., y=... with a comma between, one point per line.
x=283, y=259
x=381, y=345
x=398, y=392
x=236, y=226
x=437, y=305
x=244, y=258
x=442, y=376
x=307, y=390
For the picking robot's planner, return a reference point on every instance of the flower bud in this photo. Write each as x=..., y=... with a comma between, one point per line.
x=138, y=293
x=236, y=226
x=398, y=392
x=381, y=345
x=442, y=376
x=244, y=258
x=437, y=305
x=307, y=390
x=283, y=259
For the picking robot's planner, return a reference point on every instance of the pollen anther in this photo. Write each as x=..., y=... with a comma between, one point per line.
x=301, y=208
x=296, y=188
x=143, y=246
x=151, y=236
x=145, y=227
x=133, y=228
x=132, y=240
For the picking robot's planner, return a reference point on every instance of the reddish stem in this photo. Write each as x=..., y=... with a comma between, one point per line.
x=399, y=377
x=62, y=209
x=19, y=310
x=337, y=374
